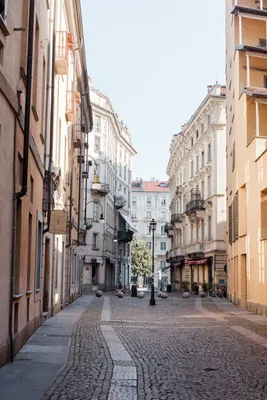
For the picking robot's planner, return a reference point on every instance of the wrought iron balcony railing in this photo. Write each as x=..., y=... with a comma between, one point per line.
x=194, y=205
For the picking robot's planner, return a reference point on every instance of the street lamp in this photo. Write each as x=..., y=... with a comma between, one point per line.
x=101, y=219
x=153, y=226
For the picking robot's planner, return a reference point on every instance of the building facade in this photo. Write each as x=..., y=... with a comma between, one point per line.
x=151, y=199
x=42, y=74
x=246, y=76
x=107, y=218
x=197, y=179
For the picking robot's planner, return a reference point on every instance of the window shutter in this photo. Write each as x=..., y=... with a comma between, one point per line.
x=230, y=235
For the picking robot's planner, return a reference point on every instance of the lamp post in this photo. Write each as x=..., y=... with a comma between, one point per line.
x=153, y=226
x=101, y=219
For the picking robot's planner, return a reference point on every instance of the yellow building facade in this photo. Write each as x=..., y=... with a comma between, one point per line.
x=246, y=99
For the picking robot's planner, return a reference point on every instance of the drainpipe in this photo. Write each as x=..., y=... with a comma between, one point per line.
x=24, y=185
x=51, y=122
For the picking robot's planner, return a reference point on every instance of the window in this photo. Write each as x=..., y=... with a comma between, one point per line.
x=202, y=231
x=209, y=186
x=192, y=169
x=97, y=121
x=209, y=152
x=148, y=230
x=125, y=173
x=233, y=157
x=163, y=246
x=197, y=135
x=29, y=257
x=163, y=202
x=192, y=141
x=35, y=70
x=209, y=121
x=97, y=144
x=39, y=233
x=265, y=77
x=148, y=201
x=202, y=189
x=120, y=169
x=134, y=215
x=162, y=264
x=202, y=129
x=1, y=51
x=262, y=43
x=162, y=230
x=31, y=189
x=192, y=233
x=95, y=241
x=148, y=215
x=202, y=159
x=163, y=216
x=3, y=9
x=209, y=228
x=134, y=201
x=197, y=164
x=148, y=245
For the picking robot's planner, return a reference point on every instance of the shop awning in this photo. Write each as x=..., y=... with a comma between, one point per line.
x=197, y=262
x=128, y=221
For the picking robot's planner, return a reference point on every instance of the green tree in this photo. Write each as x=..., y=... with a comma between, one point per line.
x=141, y=259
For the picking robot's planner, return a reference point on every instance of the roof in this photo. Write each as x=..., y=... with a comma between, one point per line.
x=248, y=10
x=253, y=49
x=150, y=186
x=255, y=91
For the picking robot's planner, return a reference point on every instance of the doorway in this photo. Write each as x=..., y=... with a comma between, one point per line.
x=46, y=275
x=244, y=283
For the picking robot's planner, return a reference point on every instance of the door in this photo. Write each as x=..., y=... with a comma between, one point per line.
x=46, y=275
x=244, y=290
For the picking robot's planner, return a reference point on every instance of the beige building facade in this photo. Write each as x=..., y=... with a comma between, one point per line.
x=42, y=76
x=197, y=179
x=246, y=73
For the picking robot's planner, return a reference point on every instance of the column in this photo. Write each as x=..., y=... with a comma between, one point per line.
x=257, y=119
x=248, y=70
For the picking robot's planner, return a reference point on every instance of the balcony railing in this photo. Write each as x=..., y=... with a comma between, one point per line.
x=194, y=205
x=64, y=43
x=176, y=218
x=103, y=189
x=77, y=135
x=125, y=236
x=70, y=106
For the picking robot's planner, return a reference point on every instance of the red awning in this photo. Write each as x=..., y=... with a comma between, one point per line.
x=178, y=264
x=197, y=262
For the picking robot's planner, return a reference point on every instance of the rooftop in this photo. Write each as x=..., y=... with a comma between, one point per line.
x=151, y=186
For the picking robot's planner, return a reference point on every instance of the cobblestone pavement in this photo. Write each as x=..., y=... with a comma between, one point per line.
x=123, y=349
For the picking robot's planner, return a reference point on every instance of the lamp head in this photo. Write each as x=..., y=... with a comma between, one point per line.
x=101, y=219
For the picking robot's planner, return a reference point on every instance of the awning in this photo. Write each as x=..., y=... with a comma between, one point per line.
x=197, y=262
x=128, y=221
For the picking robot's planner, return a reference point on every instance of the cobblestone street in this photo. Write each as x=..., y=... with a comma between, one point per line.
x=180, y=349
x=123, y=349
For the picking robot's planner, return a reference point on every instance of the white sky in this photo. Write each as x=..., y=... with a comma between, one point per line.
x=154, y=59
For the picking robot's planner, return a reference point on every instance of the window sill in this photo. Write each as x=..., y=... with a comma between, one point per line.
x=3, y=27
x=37, y=290
x=28, y=292
x=264, y=238
x=17, y=296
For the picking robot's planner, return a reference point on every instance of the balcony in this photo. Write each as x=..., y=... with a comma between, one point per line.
x=76, y=135
x=195, y=248
x=194, y=206
x=101, y=188
x=176, y=220
x=70, y=106
x=125, y=236
x=64, y=43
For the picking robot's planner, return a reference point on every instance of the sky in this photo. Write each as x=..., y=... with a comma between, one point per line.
x=154, y=59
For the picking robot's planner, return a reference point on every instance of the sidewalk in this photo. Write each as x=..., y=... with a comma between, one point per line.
x=41, y=359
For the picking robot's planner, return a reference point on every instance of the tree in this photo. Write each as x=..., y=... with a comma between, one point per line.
x=141, y=259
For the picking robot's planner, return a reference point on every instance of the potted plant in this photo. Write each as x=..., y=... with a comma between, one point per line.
x=205, y=287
